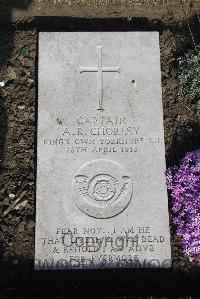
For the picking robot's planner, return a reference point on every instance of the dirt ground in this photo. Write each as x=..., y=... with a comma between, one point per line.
x=165, y=10
x=18, y=121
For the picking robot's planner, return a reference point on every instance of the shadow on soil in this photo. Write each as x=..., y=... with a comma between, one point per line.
x=6, y=44
x=3, y=125
x=6, y=50
x=113, y=24
x=21, y=280
x=186, y=139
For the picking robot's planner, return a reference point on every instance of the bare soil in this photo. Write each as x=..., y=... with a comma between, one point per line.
x=18, y=122
x=165, y=10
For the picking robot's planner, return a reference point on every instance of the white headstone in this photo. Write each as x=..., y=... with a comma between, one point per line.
x=101, y=192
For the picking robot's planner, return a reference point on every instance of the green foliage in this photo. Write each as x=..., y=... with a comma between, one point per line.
x=23, y=51
x=189, y=75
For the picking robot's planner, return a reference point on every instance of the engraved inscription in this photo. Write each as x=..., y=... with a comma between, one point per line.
x=100, y=175
x=99, y=70
x=102, y=189
x=103, y=134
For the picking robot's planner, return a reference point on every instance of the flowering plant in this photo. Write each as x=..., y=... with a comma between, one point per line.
x=184, y=185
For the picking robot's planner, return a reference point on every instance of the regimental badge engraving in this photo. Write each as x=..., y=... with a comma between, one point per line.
x=102, y=189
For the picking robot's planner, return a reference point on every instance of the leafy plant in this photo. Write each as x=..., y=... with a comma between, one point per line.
x=189, y=74
x=184, y=185
x=23, y=51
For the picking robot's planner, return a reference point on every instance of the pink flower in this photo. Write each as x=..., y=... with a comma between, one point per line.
x=183, y=182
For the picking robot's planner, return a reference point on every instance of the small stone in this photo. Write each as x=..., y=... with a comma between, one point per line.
x=21, y=107
x=11, y=73
x=21, y=226
x=30, y=81
x=27, y=73
x=32, y=47
x=2, y=83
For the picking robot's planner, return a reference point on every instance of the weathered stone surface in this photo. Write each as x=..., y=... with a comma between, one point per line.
x=24, y=10
x=101, y=193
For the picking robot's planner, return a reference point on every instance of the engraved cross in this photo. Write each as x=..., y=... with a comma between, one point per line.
x=100, y=70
